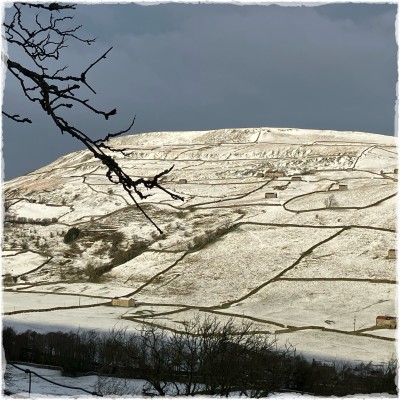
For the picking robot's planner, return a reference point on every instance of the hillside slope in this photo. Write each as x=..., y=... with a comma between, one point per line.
x=288, y=228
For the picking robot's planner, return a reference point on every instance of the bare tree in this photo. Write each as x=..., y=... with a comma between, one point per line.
x=330, y=201
x=41, y=40
x=210, y=357
x=154, y=360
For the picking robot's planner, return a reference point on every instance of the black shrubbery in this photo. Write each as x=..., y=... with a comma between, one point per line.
x=207, y=357
x=71, y=235
x=209, y=237
x=120, y=256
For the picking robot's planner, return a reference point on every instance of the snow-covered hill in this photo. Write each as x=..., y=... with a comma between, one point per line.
x=288, y=228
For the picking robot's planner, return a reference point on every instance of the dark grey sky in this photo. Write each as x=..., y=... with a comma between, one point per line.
x=195, y=67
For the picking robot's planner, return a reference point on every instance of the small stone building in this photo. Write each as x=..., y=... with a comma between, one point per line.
x=396, y=171
x=274, y=174
x=271, y=195
x=385, y=321
x=123, y=302
x=342, y=187
x=296, y=178
x=182, y=181
x=391, y=254
x=259, y=175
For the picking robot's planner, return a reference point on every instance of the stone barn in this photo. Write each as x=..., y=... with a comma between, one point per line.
x=123, y=302
x=182, y=181
x=384, y=321
x=342, y=187
x=259, y=175
x=274, y=174
x=296, y=178
x=392, y=254
x=271, y=195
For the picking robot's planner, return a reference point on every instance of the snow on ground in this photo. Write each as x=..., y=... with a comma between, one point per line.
x=6, y=253
x=26, y=209
x=138, y=271
x=334, y=347
x=29, y=184
x=87, y=288
x=99, y=318
x=356, y=253
x=16, y=301
x=383, y=216
x=249, y=135
x=87, y=212
x=130, y=387
x=378, y=159
x=344, y=175
x=225, y=187
x=39, y=387
x=174, y=138
x=21, y=263
x=218, y=191
x=179, y=319
x=329, y=304
x=325, y=137
x=388, y=333
x=155, y=312
x=317, y=344
x=353, y=197
x=216, y=274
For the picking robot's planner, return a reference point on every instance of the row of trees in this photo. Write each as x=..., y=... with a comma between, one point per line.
x=206, y=357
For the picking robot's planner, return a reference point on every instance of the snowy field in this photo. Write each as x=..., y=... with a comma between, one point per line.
x=40, y=388
x=19, y=264
x=226, y=275
x=309, y=264
x=329, y=304
x=17, y=301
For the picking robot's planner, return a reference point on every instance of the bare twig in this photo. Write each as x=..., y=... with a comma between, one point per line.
x=56, y=91
x=17, y=118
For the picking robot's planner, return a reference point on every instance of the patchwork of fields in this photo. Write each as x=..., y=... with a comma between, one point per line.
x=309, y=265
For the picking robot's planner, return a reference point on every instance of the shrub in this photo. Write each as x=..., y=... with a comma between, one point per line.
x=7, y=279
x=122, y=256
x=71, y=235
x=90, y=271
x=330, y=201
x=116, y=239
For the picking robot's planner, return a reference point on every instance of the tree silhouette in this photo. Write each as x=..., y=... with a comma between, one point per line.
x=42, y=41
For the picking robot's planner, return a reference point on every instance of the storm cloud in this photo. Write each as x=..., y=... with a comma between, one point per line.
x=196, y=67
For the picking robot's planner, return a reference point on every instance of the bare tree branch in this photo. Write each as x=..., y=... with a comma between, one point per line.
x=43, y=40
x=17, y=118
